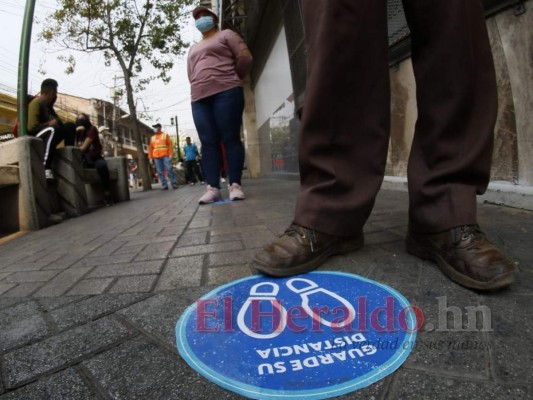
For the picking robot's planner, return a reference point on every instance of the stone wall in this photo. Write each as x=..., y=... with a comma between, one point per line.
x=511, y=39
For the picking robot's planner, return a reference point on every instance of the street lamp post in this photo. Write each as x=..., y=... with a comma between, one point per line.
x=24, y=58
x=172, y=119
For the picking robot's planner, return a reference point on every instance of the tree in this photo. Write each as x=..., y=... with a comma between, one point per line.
x=131, y=33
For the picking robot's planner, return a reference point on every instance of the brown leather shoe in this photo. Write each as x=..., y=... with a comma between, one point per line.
x=466, y=256
x=301, y=250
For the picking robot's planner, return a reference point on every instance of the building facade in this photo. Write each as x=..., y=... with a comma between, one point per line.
x=118, y=133
x=276, y=88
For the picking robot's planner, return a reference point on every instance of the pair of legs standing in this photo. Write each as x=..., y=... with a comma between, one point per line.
x=193, y=171
x=162, y=164
x=345, y=136
x=218, y=119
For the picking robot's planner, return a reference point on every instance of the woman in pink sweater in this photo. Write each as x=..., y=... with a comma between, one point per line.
x=216, y=66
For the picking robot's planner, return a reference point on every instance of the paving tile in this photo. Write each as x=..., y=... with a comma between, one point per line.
x=134, y=268
x=106, y=249
x=103, y=260
x=21, y=331
x=92, y=308
x=150, y=240
x=130, y=248
x=172, y=231
x=230, y=237
x=62, y=282
x=31, y=276
x=46, y=256
x=21, y=323
x=512, y=348
x=23, y=289
x=222, y=275
x=4, y=287
x=192, y=239
x=90, y=287
x=200, y=223
x=25, y=267
x=66, y=261
x=156, y=251
x=64, y=385
x=393, y=270
x=52, y=303
x=7, y=302
x=460, y=354
x=139, y=369
x=256, y=240
x=27, y=363
x=418, y=385
x=206, y=249
x=153, y=228
x=4, y=274
x=134, y=284
x=236, y=229
x=181, y=272
x=231, y=257
x=157, y=315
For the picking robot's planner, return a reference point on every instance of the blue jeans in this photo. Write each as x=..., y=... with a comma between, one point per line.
x=218, y=118
x=161, y=164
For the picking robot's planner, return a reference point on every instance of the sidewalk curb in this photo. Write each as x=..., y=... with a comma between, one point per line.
x=500, y=193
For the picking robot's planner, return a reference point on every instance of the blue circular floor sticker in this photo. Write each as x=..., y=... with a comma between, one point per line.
x=311, y=336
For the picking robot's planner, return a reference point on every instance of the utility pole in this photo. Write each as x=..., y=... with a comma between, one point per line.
x=177, y=135
x=115, y=116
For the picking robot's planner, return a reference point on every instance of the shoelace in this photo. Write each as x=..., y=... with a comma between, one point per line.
x=470, y=231
x=304, y=233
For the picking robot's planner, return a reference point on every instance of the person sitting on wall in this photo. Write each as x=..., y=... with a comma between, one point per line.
x=88, y=140
x=44, y=123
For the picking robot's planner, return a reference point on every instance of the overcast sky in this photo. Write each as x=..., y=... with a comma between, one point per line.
x=91, y=78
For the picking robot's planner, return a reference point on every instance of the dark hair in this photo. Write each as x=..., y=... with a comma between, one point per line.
x=83, y=116
x=83, y=120
x=49, y=85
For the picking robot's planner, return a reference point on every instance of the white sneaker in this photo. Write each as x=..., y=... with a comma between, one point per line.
x=49, y=175
x=211, y=195
x=235, y=192
x=223, y=180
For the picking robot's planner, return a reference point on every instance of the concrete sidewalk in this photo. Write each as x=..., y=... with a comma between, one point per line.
x=88, y=307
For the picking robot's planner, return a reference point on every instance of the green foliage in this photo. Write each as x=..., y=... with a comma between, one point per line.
x=129, y=32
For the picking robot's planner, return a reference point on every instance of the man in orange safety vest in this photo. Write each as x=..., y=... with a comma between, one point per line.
x=161, y=150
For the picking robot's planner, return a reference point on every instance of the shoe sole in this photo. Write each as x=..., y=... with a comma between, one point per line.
x=420, y=251
x=208, y=202
x=310, y=265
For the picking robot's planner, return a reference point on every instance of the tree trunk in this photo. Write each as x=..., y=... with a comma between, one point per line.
x=143, y=160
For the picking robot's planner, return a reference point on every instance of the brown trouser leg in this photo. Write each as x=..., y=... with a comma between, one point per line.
x=345, y=123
